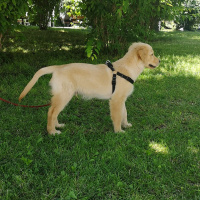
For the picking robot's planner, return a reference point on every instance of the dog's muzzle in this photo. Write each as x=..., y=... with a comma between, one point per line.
x=152, y=66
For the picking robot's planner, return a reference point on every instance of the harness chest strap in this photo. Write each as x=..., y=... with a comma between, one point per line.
x=109, y=64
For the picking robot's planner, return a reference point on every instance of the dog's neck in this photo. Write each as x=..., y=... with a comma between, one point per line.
x=130, y=68
x=135, y=70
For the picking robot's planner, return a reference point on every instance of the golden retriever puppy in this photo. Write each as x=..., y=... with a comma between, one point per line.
x=95, y=81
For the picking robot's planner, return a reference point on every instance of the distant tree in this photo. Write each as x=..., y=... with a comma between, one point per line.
x=163, y=10
x=116, y=22
x=42, y=12
x=10, y=11
x=71, y=7
x=189, y=15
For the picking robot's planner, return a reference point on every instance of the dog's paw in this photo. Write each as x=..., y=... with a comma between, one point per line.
x=55, y=132
x=128, y=125
x=120, y=131
x=60, y=125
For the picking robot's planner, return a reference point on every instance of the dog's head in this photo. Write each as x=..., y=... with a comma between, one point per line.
x=145, y=53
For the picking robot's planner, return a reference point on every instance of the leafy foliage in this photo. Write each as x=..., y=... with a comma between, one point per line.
x=42, y=12
x=72, y=7
x=189, y=15
x=115, y=22
x=10, y=11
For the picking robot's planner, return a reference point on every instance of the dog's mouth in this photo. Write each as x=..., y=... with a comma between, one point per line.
x=152, y=66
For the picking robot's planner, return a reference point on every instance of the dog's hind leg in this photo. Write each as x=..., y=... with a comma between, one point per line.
x=58, y=102
x=59, y=125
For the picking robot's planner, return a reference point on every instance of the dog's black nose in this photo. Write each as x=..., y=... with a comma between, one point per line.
x=159, y=61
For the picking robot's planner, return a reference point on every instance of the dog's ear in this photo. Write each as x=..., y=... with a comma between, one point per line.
x=142, y=54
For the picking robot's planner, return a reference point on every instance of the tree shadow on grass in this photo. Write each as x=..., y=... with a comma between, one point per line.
x=39, y=59
x=161, y=151
x=170, y=96
x=157, y=158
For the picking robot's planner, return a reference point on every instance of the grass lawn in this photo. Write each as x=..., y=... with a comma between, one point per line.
x=158, y=158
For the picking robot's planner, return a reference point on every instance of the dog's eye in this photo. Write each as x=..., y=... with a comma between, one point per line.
x=152, y=54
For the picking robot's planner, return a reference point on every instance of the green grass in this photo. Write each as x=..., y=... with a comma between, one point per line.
x=158, y=158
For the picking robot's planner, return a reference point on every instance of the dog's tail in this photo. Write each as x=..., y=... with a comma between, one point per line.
x=38, y=74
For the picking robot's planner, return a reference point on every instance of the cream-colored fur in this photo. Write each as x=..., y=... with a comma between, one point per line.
x=94, y=81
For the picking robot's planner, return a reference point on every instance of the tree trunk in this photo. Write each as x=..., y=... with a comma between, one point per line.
x=154, y=24
x=1, y=35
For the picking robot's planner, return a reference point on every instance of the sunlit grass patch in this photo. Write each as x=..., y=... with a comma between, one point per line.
x=157, y=158
x=176, y=65
x=159, y=148
x=193, y=149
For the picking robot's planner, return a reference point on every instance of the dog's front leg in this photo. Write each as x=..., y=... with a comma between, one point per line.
x=125, y=123
x=116, y=112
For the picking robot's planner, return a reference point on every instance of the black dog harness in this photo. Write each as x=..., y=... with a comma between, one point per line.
x=109, y=64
